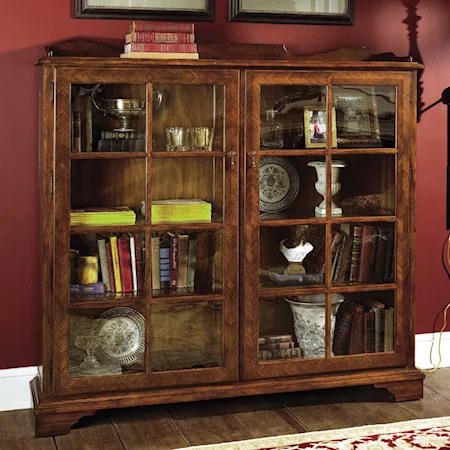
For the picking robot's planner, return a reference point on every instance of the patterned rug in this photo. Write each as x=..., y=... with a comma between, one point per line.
x=426, y=434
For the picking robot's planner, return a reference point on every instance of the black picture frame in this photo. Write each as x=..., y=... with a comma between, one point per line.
x=84, y=11
x=238, y=14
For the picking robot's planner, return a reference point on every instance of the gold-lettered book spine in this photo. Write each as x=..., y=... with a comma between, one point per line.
x=116, y=266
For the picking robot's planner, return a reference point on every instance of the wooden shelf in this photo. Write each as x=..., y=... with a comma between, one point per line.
x=108, y=155
x=286, y=152
x=364, y=151
x=211, y=154
x=108, y=300
x=83, y=229
x=290, y=222
x=363, y=287
x=346, y=219
x=188, y=297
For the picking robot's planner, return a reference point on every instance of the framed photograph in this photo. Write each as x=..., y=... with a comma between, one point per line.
x=319, y=12
x=357, y=116
x=316, y=127
x=174, y=10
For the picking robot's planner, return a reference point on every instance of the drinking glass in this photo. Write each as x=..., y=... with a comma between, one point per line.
x=176, y=139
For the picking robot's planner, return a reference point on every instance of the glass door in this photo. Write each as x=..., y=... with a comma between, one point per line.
x=146, y=193
x=327, y=205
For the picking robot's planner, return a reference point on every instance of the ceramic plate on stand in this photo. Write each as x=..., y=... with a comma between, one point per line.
x=278, y=183
x=123, y=331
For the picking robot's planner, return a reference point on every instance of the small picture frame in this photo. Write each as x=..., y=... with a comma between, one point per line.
x=316, y=127
x=357, y=116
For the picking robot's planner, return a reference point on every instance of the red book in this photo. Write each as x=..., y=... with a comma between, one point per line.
x=126, y=277
x=365, y=252
x=161, y=48
x=155, y=37
x=110, y=267
x=139, y=262
x=173, y=261
x=165, y=27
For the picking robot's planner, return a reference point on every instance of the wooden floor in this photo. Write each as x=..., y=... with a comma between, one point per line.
x=181, y=425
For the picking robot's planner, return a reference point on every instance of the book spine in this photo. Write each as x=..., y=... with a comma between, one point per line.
x=192, y=260
x=116, y=264
x=173, y=261
x=125, y=263
x=369, y=332
x=139, y=261
x=381, y=255
x=133, y=263
x=275, y=339
x=342, y=335
x=88, y=123
x=164, y=27
x=110, y=267
x=390, y=250
x=104, y=263
x=276, y=346
x=76, y=131
x=157, y=37
x=163, y=48
x=86, y=289
x=373, y=255
x=183, y=248
x=365, y=253
x=164, y=263
x=156, y=274
x=280, y=354
x=354, y=260
x=389, y=330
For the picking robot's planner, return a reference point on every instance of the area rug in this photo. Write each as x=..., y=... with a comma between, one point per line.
x=429, y=434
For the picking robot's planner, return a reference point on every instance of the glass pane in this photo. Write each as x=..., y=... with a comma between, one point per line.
x=108, y=118
x=107, y=191
x=188, y=118
x=367, y=185
x=186, y=190
x=288, y=188
x=187, y=262
x=364, y=323
x=187, y=336
x=363, y=253
x=277, y=338
x=293, y=117
x=365, y=116
x=106, y=266
x=106, y=342
x=292, y=255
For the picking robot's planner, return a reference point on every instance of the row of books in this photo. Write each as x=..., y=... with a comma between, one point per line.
x=181, y=211
x=362, y=252
x=160, y=40
x=279, y=346
x=121, y=266
x=173, y=262
x=364, y=326
x=121, y=215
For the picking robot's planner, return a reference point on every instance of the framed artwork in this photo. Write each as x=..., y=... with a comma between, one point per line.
x=356, y=116
x=316, y=127
x=319, y=12
x=188, y=10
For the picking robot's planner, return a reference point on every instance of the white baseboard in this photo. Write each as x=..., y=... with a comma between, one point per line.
x=15, y=390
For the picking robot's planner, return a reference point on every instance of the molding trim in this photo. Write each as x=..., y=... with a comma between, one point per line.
x=15, y=390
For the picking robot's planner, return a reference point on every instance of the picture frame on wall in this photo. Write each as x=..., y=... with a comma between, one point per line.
x=357, y=119
x=318, y=12
x=173, y=10
x=316, y=127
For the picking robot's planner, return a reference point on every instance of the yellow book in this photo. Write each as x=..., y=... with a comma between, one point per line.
x=115, y=260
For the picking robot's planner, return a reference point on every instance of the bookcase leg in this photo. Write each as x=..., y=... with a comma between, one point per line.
x=54, y=424
x=403, y=390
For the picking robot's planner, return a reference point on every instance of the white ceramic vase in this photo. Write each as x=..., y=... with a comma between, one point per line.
x=309, y=322
x=321, y=185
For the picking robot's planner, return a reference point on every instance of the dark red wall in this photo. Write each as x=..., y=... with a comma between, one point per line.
x=27, y=26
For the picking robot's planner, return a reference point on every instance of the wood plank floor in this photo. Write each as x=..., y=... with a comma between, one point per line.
x=173, y=426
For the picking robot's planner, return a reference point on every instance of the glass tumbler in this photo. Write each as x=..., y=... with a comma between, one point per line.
x=201, y=138
x=176, y=139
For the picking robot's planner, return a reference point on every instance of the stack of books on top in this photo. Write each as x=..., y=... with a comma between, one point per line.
x=121, y=215
x=278, y=346
x=181, y=211
x=160, y=40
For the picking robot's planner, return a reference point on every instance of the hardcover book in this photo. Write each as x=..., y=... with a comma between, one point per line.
x=365, y=252
x=174, y=250
x=154, y=36
x=156, y=274
x=110, y=267
x=354, y=260
x=183, y=249
x=275, y=338
x=126, y=276
x=116, y=264
x=104, y=263
x=165, y=27
x=164, y=261
x=138, y=242
x=159, y=47
x=86, y=289
x=192, y=259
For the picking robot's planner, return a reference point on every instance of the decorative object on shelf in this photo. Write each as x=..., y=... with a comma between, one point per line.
x=89, y=342
x=316, y=127
x=123, y=335
x=198, y=10
x=271, y=132
x=309, y=322
x=321, y=185
x=295, y=249
x=357, y=121
x=201, y=138
x=333, y=12
x=87, y=269
x=279, y=183
x=176, y=139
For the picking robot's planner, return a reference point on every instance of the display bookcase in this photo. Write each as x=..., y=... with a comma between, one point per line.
x=219, y=303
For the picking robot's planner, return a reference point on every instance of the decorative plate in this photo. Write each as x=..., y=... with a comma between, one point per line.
x=278, y=183
x=123, y=331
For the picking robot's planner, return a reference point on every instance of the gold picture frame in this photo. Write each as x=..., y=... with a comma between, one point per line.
x=315, y=118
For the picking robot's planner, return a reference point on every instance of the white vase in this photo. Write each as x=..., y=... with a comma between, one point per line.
x=321, y=185
x=309, y=322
